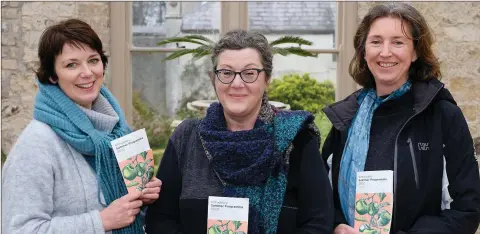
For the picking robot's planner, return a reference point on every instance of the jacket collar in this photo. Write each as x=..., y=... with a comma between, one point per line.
x=424, y=92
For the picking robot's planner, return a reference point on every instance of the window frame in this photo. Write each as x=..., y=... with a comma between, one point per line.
x=121, y=46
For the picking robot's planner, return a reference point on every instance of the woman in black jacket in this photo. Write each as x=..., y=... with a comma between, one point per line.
x=244, y=148
x=404, y=120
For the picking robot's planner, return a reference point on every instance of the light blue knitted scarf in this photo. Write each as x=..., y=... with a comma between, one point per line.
x=356, y=147
x=65, y=117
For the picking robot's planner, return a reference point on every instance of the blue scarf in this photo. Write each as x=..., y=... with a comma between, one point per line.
x=356, y=147
x=64, y=116
x=254, y=163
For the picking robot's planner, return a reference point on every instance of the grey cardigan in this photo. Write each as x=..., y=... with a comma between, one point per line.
x=48, y=186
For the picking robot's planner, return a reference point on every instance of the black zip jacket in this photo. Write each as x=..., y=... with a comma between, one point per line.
x=188, y=179
x=436, y=129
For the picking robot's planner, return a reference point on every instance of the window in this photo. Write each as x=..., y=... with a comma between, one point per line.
x=148, y=13
x=136, y=61
x=165, y=85
x=313, y=21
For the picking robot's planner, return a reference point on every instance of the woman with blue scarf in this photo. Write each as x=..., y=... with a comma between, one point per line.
x=402, y=120
x=244, y=148
x=61, y=176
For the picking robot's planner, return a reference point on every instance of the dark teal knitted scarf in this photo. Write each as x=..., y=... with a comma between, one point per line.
x=64, y=116
x=254, y=163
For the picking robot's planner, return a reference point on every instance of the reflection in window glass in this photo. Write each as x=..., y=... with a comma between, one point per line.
x=148, y=13
x=201, y=17
x=155, y=21
x=161, y=89
x=314, y=21
x=148, y=23
x=161, y=83
x=165, y=86
x=160, y=92
x=320, y=68
x=149, y=79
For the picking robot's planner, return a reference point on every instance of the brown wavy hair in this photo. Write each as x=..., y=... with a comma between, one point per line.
x=72, y=32
x=424, y=68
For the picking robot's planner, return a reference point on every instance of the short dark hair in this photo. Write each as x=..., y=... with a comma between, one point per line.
x=240, y=39
x=424, y=68
x=72, y=32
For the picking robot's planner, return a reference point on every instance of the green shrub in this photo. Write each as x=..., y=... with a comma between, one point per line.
x=184, y=113
x=157, y=127
x=196, y=77
x=159, y=131
x=324, y=125
x=305, y=93
x=143, y=111
x=4, y=157
x=302, y=92
x=157, y=158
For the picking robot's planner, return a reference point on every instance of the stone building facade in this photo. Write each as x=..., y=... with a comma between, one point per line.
x=455, y=26
x=22, y=26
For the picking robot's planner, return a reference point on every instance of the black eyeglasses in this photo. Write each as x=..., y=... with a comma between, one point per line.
x=248, y=75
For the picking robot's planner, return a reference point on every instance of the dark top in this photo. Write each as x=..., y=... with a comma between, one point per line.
x=435, y=131
x=188, y=180
x=387, y=120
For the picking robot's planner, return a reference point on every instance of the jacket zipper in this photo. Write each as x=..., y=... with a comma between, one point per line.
x=395, y=166
x=209, y=158
x=414, y=161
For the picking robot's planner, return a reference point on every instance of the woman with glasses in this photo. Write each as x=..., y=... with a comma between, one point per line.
x=244, y=148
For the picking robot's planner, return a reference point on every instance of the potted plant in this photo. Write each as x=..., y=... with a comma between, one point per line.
x=206, y=45
x=205, y=48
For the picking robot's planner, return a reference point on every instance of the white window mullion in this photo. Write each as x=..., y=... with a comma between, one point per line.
x=346, y=25
x=234, y=16
x=120, y=78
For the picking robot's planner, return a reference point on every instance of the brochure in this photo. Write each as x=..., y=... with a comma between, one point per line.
x=374, y=202
x=135, y=159
x=227, y=215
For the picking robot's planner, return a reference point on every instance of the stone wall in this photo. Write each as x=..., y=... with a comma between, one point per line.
x=456, y=28
x=23, y=22
x=22, y=26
